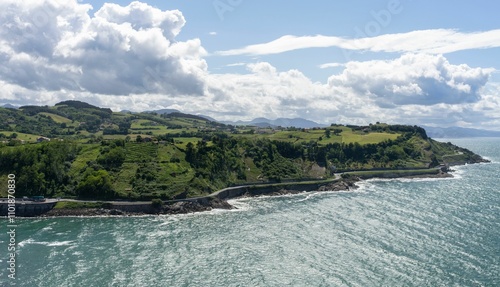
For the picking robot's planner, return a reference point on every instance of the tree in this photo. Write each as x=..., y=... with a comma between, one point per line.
x=190, y=153
x=434, y=161
x=157, y=203
x=327, y=133
x=96, y=184
x=113, y=158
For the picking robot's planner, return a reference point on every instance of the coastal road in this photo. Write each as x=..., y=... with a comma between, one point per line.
x=337, y=176
x=20, y=200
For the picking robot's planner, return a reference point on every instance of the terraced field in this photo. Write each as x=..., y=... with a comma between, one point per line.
x=22, y=136
x=57, y=118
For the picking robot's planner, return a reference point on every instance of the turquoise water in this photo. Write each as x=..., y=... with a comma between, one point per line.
x=432, y=232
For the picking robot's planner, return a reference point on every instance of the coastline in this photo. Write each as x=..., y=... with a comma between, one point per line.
x=219, y=199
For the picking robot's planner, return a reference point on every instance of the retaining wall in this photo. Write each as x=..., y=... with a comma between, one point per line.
x=24, y=209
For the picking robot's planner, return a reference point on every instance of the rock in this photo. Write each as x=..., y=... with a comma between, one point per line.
x=115, y=212
x=345, y=184
x=219, y=203
x=283, y=192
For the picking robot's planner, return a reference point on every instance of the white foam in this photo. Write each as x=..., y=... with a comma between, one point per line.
x=309, y=196
x=265, y=197
x=240, y=203
x=46, y=228
x=313, y=194
x=166, y=220
x=99, y=216
x=24, y=242
x=50, y=244
x=455, y=175
x=58, y=243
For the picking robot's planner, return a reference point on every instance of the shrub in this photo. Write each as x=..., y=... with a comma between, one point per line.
x=157, y=203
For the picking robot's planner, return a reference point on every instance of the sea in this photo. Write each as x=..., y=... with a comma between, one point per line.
x=399, y=232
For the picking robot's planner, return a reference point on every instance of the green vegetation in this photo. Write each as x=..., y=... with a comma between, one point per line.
x=76, y=205
x=97, y=154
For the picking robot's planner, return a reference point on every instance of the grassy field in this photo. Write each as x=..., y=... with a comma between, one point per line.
x=75, y=205
x=117, y=137
x=347, y=136
x=140, y=152
x=122, y=182
x=252, y=171
x=370, y=138
x=22, y=136
x=88, y=153
x=182, y=142
x=57, y=118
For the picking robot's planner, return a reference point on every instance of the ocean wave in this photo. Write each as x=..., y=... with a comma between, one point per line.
x=456, y=174
x=50, y=244
x=309, y=196
x=24, y=242
x=47, y=228
x=58, y=243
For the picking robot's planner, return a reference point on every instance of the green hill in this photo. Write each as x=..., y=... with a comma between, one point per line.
x=95, y=153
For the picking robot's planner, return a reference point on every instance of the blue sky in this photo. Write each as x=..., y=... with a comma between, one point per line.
x=397, y=61
x=243, y=22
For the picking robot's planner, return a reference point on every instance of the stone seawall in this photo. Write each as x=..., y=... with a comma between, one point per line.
x=135, y=208
x=255, y=190
x=214, y=200
x=24, y=209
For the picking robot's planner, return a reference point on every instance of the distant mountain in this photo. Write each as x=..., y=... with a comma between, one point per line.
x=458, y=132
x=164, y=111
x=283, y=122
x=177, y=112
x=187, y=116
x=80, y=105
x=9, y=106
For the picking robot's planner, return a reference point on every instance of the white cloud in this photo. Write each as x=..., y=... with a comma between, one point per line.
x=236, y=64
x=212, y=33
x=129, y=58
x=413, y=79
x=52, y=45
x=331, y=65
x=141, y=16
x=412, y=89
x=437, y=41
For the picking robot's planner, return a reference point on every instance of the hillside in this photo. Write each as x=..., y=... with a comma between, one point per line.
x=96, y=153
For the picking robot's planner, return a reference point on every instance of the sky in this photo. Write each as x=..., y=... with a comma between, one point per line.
x=432, y=63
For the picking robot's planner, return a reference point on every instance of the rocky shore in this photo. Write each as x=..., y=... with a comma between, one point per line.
x=213, y=202
x=87, y=212
x=441, y=174
x=195, y=206
x=180, y=207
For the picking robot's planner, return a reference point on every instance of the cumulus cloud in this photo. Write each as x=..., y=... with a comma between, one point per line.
x=263, y=91
x=413, y=79
x=435, y=41
x=128, y=58
x=412, y=89
x=55, y=45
